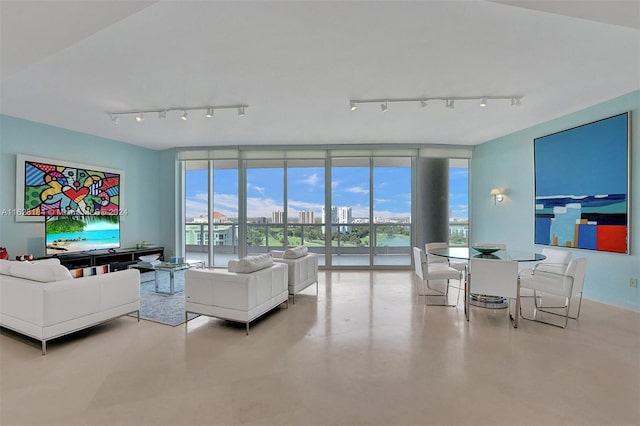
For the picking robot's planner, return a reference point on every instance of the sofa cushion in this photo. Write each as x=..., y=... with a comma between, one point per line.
x=44, y=273
x=250, y=264
x=5, y=265
x=295, y=252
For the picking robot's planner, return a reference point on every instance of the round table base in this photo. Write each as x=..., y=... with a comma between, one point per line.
x=489, y=302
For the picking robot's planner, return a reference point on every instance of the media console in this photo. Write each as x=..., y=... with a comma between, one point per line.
x=118, y=259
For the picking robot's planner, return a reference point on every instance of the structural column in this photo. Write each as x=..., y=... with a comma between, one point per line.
x=432, y=201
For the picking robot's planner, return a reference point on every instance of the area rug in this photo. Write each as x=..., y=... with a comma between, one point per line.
x=162, y=308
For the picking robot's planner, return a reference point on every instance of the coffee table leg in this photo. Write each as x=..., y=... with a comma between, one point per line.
x=171, y=283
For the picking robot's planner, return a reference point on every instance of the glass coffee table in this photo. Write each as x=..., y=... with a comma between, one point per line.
x=171, y=268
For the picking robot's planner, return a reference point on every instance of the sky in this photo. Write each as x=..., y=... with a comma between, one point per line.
x=350, y=187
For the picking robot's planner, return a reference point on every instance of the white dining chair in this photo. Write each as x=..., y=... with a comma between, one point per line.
x=429, y=274
x=568, y=285
x=432, y=258
x=497, y=278
x=555, y=261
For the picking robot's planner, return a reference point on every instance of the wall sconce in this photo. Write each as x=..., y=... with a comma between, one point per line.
x=497, y=195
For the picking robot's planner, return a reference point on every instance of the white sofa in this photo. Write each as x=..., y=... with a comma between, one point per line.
x=238, y=293
x=303, y=268
x=46, y=310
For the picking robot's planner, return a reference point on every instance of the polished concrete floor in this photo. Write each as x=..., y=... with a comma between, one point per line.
x=364, y=351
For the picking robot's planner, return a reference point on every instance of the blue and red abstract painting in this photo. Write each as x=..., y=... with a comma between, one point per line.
x=582, y=186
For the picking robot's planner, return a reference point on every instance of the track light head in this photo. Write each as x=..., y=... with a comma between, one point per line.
x=384, y=107
x=162, y=114
x=483, y=102
x=184, y=116
x=352, y=106
x=423, y=103
x=114, y=118
x=515, y=102
x=140, y=118
x=450, y=103
x=209, y=113
x=241, y=111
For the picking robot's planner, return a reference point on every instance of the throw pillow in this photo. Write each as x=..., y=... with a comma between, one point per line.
x=41, y=273
x=295, y=252
x=250, y=264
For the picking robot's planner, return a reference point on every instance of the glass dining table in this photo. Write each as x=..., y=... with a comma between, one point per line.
x=466, y=253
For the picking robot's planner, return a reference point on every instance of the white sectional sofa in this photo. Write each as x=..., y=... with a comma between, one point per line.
x=40, y=300
x=246, y=290
x=303, y=268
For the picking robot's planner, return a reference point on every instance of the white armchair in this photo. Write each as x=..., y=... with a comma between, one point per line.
x=568, y=285
x=431, y=273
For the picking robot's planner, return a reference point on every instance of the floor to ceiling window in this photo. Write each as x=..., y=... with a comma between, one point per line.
x=196, y=207
x=305, y=204
x=352, y=209
x=392, y=211
x=459, y=203
x=224, y=238
x=350, y=212
x=265, y=205
x=211, y=216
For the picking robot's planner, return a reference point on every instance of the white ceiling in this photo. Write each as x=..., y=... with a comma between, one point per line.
x=297, y=64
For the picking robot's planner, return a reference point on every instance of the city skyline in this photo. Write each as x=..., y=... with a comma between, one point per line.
x=350, y=188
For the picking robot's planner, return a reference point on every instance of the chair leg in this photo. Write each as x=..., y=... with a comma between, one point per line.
x=440, y=294
x=543, y=308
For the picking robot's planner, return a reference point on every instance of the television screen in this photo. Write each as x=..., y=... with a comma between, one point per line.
x=70, y=234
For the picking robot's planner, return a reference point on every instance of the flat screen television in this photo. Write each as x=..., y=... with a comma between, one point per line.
x=71, y=234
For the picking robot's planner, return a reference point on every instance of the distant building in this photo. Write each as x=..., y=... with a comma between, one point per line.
x=305, y=217
x=344, y=216
x=277, y=217
x=219, y=218
x=339, y=215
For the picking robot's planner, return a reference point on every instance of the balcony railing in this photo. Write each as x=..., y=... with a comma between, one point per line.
x=388, y=238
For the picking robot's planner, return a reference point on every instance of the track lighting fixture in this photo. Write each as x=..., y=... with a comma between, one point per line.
x=162, y=112
x=449, y=101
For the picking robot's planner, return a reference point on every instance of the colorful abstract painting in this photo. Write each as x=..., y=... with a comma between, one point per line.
x=53, y=188
x=581, y=186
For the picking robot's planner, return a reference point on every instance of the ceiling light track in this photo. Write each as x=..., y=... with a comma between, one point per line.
x=449, y=101
x=139, y=115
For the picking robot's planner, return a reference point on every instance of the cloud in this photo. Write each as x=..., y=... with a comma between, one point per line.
x=381, y=200
x=357, y=190
x=258, y=189
x=311, y=180
x=334, y=184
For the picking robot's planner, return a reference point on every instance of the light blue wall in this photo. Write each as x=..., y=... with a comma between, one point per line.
x=507, y=163
x=144, y=178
